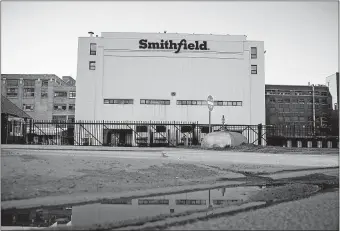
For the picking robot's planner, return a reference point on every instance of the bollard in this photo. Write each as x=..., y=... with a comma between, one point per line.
x=309, y=144
x=329, y=144
x=299, y=144
x=289, y=143
x=319, y=144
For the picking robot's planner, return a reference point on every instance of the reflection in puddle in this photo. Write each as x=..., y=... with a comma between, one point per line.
x=114, y=210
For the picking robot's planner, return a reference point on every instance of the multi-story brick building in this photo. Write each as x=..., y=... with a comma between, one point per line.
x=42, y=96
x=332, y=83
x=287, y=104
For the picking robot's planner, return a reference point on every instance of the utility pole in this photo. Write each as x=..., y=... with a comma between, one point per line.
x=313, y=109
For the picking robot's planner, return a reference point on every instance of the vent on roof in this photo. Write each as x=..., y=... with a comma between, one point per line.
x=91, y=33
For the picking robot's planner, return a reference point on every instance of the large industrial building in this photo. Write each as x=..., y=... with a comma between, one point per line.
x=168, y=76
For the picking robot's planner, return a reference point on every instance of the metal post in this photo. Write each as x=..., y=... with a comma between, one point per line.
x=209, y=121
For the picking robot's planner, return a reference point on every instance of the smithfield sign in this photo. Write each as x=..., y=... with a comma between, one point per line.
x=170, y=45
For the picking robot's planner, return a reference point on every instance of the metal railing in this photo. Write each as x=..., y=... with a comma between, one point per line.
x=147, y=134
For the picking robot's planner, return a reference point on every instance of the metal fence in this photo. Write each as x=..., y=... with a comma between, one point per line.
x=147, y=134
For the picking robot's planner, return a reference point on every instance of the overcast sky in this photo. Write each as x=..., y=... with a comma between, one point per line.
x=301, y=38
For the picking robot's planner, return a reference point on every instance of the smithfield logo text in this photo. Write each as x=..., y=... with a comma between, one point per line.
x=170, y=45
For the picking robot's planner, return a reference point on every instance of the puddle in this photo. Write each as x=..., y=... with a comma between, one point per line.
x=119, y=210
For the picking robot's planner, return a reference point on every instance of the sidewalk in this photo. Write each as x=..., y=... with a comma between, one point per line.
x=85, y=148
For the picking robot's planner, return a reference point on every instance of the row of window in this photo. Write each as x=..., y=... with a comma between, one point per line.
x=30, y=92
x=295, y=100
x=63, y=107
x=167, y=102
x=27, y=83
x=56, y=107
x=294, y=92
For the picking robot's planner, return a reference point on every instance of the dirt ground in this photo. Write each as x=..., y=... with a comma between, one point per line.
x=25, y=175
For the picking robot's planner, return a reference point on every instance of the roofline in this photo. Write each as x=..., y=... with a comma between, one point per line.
x=135, y=32
x=24, y=117
x=289, y=85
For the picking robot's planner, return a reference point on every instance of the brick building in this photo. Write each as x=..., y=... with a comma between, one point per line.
x=288, y=104
x=42, y=96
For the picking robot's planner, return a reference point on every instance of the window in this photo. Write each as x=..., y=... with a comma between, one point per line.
x=286, y=100
x=72, y=95
x=59, y=118
x=12, y=82
x=254, y=69
x=93, y=48
x=141, y=128
x=71, y=107
x=254, y=53
x=155, y=101
x=28, y=92
x=44, y=83
x=71, y=119
x=28, y=107
x=294, y=100
x=324, y=101
x=301, y=100
x=323, y=93
x=60, y=107
x=29, y=82
x=92, y=65
x=44, y=93
x=60, y=94
x=12, y=92
x=118, y=101
x=204, y=102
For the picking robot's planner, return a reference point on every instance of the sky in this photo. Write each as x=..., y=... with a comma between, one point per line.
x=300, y=38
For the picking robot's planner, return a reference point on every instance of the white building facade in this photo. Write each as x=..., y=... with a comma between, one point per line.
x=129, y=77
x=167, y=77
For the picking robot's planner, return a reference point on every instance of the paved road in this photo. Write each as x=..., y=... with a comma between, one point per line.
x=320, y=212
x=203, y=156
